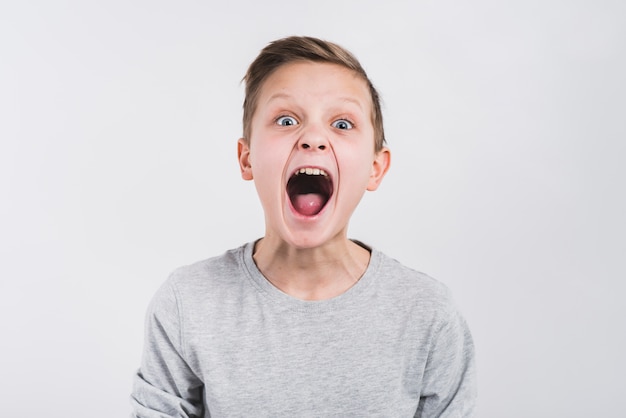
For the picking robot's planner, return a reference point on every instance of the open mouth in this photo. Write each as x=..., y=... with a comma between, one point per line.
x=309, y=190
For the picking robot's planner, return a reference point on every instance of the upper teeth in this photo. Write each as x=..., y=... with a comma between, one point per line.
x=312, y=171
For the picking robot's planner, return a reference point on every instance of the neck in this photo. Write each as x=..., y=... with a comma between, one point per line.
x=312, y=273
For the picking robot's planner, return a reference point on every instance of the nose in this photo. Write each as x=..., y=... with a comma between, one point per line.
x=313, y=138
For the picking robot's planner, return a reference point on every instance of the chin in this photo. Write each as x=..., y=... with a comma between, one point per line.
x=310, y=239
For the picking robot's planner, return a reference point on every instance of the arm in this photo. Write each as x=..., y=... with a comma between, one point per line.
x=165, y=386
x=449, y=383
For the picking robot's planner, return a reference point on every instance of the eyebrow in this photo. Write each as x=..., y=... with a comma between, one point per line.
x=289, y=96
x=278, y=96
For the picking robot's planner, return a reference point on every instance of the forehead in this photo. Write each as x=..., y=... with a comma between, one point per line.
x=321, y=82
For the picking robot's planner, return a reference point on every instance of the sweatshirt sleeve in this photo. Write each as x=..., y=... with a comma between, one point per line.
x=449, y=383
x=165, y=386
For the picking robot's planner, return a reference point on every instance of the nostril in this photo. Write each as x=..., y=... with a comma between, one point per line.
x=304, y=145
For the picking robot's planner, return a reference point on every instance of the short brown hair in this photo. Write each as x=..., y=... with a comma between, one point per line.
x=304, y=48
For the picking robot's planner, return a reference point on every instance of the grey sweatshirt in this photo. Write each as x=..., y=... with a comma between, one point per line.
x=221, y=341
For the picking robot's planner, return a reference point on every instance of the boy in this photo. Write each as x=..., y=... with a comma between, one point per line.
x=305, y=322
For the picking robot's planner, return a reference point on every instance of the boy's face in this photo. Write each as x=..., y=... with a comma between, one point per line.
x=311, y=152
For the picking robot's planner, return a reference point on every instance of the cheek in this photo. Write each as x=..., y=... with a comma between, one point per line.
x=268, y=165
x=356, y=167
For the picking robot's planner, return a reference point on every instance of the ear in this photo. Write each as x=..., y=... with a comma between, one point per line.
x=379, y=168
x=243, y=154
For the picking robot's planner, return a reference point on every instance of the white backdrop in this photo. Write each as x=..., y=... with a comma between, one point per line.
x=507, y=123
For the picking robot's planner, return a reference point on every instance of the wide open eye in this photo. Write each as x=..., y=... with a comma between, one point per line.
x=286, y=121
x=342, y=124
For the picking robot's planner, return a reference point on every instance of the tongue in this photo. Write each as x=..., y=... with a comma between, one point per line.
x=308, y=204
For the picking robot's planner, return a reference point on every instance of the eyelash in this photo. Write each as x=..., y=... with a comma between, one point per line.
x=352, y=126
x=276, y=121
x=348, y=121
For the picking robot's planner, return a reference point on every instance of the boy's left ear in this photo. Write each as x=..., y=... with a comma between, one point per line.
x=379, y=169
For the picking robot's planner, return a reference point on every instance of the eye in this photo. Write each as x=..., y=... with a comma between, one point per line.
x=342, y=124
x=286, y=121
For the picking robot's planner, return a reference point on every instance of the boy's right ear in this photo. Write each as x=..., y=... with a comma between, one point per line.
x=243, y=154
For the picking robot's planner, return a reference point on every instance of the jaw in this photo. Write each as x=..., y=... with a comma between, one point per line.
x=313, y=209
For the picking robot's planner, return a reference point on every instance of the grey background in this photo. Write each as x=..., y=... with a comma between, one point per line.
x=118, y=127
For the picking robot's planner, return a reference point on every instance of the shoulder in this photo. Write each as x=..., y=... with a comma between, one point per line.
x=203, y=280
x=206, y=272
x=411, y=282
x=413, y=291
